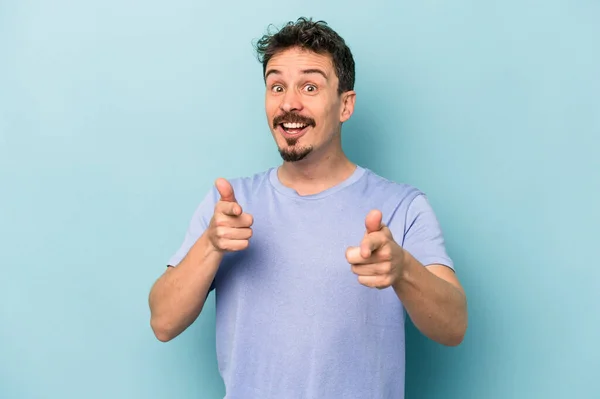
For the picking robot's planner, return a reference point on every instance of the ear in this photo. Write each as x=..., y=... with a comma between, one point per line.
x=347, y=108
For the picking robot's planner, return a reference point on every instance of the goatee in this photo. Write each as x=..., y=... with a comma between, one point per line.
x=294, y=154
x=291, y=153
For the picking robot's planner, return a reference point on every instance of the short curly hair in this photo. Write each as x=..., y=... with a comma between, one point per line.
x=315, y=36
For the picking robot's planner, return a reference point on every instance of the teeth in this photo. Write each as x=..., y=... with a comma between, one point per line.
x=294, y=125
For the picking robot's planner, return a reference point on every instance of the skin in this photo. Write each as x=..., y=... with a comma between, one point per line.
x=305, y=84
x=314, y=95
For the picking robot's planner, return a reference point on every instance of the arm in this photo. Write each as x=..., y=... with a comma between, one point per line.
x=427, y=284
x=178, y=296
x=434, y=300
x=431, y=295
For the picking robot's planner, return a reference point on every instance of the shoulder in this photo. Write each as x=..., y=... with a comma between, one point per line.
x=247, y=187
x=250, y=181
x=385, y=188
x=401, y=203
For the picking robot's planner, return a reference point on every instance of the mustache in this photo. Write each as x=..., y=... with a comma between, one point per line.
x=290, y=117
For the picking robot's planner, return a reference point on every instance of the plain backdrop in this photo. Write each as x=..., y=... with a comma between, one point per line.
x=117, y=116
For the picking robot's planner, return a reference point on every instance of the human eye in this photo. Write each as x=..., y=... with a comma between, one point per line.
x=276, y=88
x=310, y=88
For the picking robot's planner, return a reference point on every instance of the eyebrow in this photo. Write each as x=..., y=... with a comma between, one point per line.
x=305, y=71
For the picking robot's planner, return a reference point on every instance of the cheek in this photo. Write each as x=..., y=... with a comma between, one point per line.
x=330, y=111
x=270, y=112
x=271, y=104
x=330, y=116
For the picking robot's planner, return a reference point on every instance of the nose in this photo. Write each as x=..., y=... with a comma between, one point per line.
x=291, y=102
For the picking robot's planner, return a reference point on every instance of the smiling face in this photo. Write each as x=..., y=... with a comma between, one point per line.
x=304, y=108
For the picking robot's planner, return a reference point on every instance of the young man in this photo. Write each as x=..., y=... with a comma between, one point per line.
x=314, y=262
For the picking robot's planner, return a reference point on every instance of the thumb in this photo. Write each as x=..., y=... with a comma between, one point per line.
x=225, y=189
x=373, y=221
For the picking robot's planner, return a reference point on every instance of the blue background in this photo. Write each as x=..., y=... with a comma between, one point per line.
x=117, y=116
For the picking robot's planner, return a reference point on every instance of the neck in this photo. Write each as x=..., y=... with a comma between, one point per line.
x=317, y=172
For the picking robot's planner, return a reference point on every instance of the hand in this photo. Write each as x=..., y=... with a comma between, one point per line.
x=378, y=260
x=229, y=228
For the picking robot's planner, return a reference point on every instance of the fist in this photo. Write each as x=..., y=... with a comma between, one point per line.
x=230, y=228
x=377, y=261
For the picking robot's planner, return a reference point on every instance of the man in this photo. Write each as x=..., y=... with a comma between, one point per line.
x=314, y=262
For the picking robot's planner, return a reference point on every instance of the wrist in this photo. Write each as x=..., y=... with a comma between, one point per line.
x=403, y=269
x=204, y=252
x=210, y=251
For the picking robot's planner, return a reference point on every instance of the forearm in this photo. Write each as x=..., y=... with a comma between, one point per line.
x=436, y=307
x=178, y=296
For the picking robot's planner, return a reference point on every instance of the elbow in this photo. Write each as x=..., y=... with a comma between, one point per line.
x=450, y=339
x=161, y=331
x=163, y=336
x=456, y=336
x=454, y=339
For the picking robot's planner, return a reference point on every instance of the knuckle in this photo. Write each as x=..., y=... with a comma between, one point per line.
x=220, y=220
x=386, y=267
x=221, y=232
x=386, y=253
x=219, y=207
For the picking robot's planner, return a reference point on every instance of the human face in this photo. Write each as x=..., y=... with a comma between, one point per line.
x=303, y=106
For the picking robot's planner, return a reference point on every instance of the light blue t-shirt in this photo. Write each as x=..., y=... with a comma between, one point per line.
x=292, y=321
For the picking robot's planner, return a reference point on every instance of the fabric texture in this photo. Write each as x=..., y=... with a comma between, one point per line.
x=292, y=321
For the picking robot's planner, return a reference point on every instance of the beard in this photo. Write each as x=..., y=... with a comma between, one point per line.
x=291, y=153
x=294, y=154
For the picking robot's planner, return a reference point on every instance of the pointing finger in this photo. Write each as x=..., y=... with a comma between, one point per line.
x=371, y=243
x=354, y=256
x=372, y=249
x=241, y=220
x=231, y=208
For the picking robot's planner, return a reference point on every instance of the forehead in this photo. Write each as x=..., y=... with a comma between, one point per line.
x=296, y=60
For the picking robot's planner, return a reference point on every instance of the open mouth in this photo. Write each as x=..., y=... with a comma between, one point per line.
x=293, y=129
x=292, y=126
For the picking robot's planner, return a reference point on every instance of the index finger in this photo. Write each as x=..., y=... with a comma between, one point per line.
x=371, y=243
x=229, y=208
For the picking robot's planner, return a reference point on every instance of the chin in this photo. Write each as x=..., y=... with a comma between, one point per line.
x=294, y=153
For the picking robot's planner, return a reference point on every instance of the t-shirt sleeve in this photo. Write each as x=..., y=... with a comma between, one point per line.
x=196, y=227
x=423, y=237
